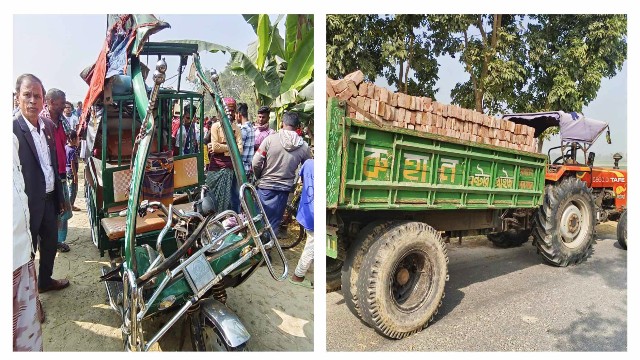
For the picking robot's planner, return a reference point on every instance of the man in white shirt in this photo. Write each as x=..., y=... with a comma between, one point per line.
x=70, y=115
x=41, y=181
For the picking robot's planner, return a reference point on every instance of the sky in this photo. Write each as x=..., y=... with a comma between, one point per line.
x=73, y=42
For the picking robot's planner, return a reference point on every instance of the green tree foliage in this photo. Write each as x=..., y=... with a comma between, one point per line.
x=234, y=85
x=492, y=51
x=531, y=63
x=354, y=42
x=396, y=47
x=568, y=56
x=279, y=69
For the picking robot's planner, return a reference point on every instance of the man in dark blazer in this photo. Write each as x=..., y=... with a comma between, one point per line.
x=40, y=171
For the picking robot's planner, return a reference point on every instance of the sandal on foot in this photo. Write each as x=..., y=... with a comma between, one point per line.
x=62, y=247
x=304, y=283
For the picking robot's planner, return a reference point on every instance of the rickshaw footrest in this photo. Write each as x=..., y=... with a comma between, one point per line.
x=114, y=290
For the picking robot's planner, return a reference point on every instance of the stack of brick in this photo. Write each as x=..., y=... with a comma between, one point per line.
x=424, y=114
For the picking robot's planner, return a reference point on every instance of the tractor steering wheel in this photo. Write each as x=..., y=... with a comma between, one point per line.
x=567, y=156
x=563, y=158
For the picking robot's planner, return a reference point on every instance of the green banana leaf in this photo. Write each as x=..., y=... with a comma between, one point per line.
x=264, y=40
x=252, y=19
x=294, y=96
x=252, y=51
x=273, y=78
x=277, y=43
x=239, y=63
x=300, y=68
x=289, y=97
x=307, y=92
x=291, y=32
x=303, y=107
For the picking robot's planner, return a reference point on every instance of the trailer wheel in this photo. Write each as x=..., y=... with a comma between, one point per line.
x=402, y=278
x=509, y=238
x=334, y=267
x=622, y=230
x=351, y=268
x=564, y=230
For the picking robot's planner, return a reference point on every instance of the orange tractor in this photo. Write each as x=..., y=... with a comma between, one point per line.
x=578, y=133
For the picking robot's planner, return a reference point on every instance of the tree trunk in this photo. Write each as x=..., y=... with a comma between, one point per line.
x=406, y=72
x=540, y=142
x=478, y=96
x=399, y=85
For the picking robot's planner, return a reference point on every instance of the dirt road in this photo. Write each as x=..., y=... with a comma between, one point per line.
x=278, y=315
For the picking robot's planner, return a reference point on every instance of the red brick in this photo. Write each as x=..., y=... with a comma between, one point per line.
x=357, y=77
x=330, y=91
x=362, y=89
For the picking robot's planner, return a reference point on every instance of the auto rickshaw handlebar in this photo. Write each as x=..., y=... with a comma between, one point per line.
x=183, y=215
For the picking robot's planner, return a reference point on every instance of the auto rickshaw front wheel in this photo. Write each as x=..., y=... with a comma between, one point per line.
x=210, y=339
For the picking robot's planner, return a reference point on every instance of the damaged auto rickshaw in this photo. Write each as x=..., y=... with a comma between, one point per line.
x=170, y=254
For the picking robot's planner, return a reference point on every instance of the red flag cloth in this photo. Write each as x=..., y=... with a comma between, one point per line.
x=97, y=74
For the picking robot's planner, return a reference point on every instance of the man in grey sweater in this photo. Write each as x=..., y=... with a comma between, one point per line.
x=274, y=165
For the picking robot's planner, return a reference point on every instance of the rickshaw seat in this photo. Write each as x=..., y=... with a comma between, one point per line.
x=177, y=199
x=115, y=227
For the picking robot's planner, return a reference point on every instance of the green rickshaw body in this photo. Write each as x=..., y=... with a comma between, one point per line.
x=108, y=171
x=180, y=289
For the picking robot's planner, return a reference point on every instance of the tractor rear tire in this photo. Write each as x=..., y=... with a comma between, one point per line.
x=564, y=230
x=351, y=268
x=402, y=279
x=622, y=230
x=510, y=238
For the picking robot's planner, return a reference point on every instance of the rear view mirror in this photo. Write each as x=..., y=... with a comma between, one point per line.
x=591, y=158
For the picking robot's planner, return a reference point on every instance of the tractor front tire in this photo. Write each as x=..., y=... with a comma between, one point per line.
x=622, y=230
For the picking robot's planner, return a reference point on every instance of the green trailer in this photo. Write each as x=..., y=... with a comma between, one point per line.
x=393, y=194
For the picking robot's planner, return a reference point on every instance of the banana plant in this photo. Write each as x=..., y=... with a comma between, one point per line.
x=280, y=69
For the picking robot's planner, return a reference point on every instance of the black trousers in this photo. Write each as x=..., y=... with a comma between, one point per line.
x=48, y=234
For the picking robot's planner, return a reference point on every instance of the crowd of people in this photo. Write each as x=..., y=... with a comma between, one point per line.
x=45, y=178
x=271, y=160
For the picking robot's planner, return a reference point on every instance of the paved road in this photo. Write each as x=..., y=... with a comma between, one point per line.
x=508, y=300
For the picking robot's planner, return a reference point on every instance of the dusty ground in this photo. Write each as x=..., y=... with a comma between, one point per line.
x=278, y=315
